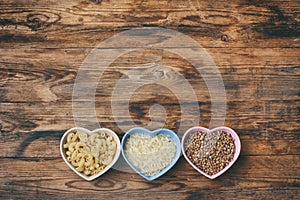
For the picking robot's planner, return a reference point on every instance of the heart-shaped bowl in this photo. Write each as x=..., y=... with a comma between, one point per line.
x=140, y=130
x=189, y=133
x=105, y=130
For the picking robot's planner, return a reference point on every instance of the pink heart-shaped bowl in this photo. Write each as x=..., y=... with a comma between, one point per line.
x=89, y=133
x=191, y=131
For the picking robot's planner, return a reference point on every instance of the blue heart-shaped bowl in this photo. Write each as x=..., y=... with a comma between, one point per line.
x=173, y=136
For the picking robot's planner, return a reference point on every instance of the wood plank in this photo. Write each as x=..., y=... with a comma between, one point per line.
x=237, y=23
x=281, y=122
x=235, y=57
x=40, y=177
x=258, y=80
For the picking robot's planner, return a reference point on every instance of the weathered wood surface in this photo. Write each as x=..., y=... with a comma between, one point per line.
x=255, y=45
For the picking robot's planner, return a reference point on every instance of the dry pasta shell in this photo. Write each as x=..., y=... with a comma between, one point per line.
x=81, y=171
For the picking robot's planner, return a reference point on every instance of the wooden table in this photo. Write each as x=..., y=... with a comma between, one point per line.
x=254, y=44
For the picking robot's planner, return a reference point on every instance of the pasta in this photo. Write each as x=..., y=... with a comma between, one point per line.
x=150, y=154
x=90, y=154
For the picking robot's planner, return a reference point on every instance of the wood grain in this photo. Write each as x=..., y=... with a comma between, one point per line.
x=254, y=44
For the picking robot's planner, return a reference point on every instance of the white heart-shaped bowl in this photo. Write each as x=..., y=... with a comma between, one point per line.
x=173, y=136
x=192, y=130
x=109, y=132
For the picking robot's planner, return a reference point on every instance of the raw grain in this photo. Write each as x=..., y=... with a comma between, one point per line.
x=210, y=152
